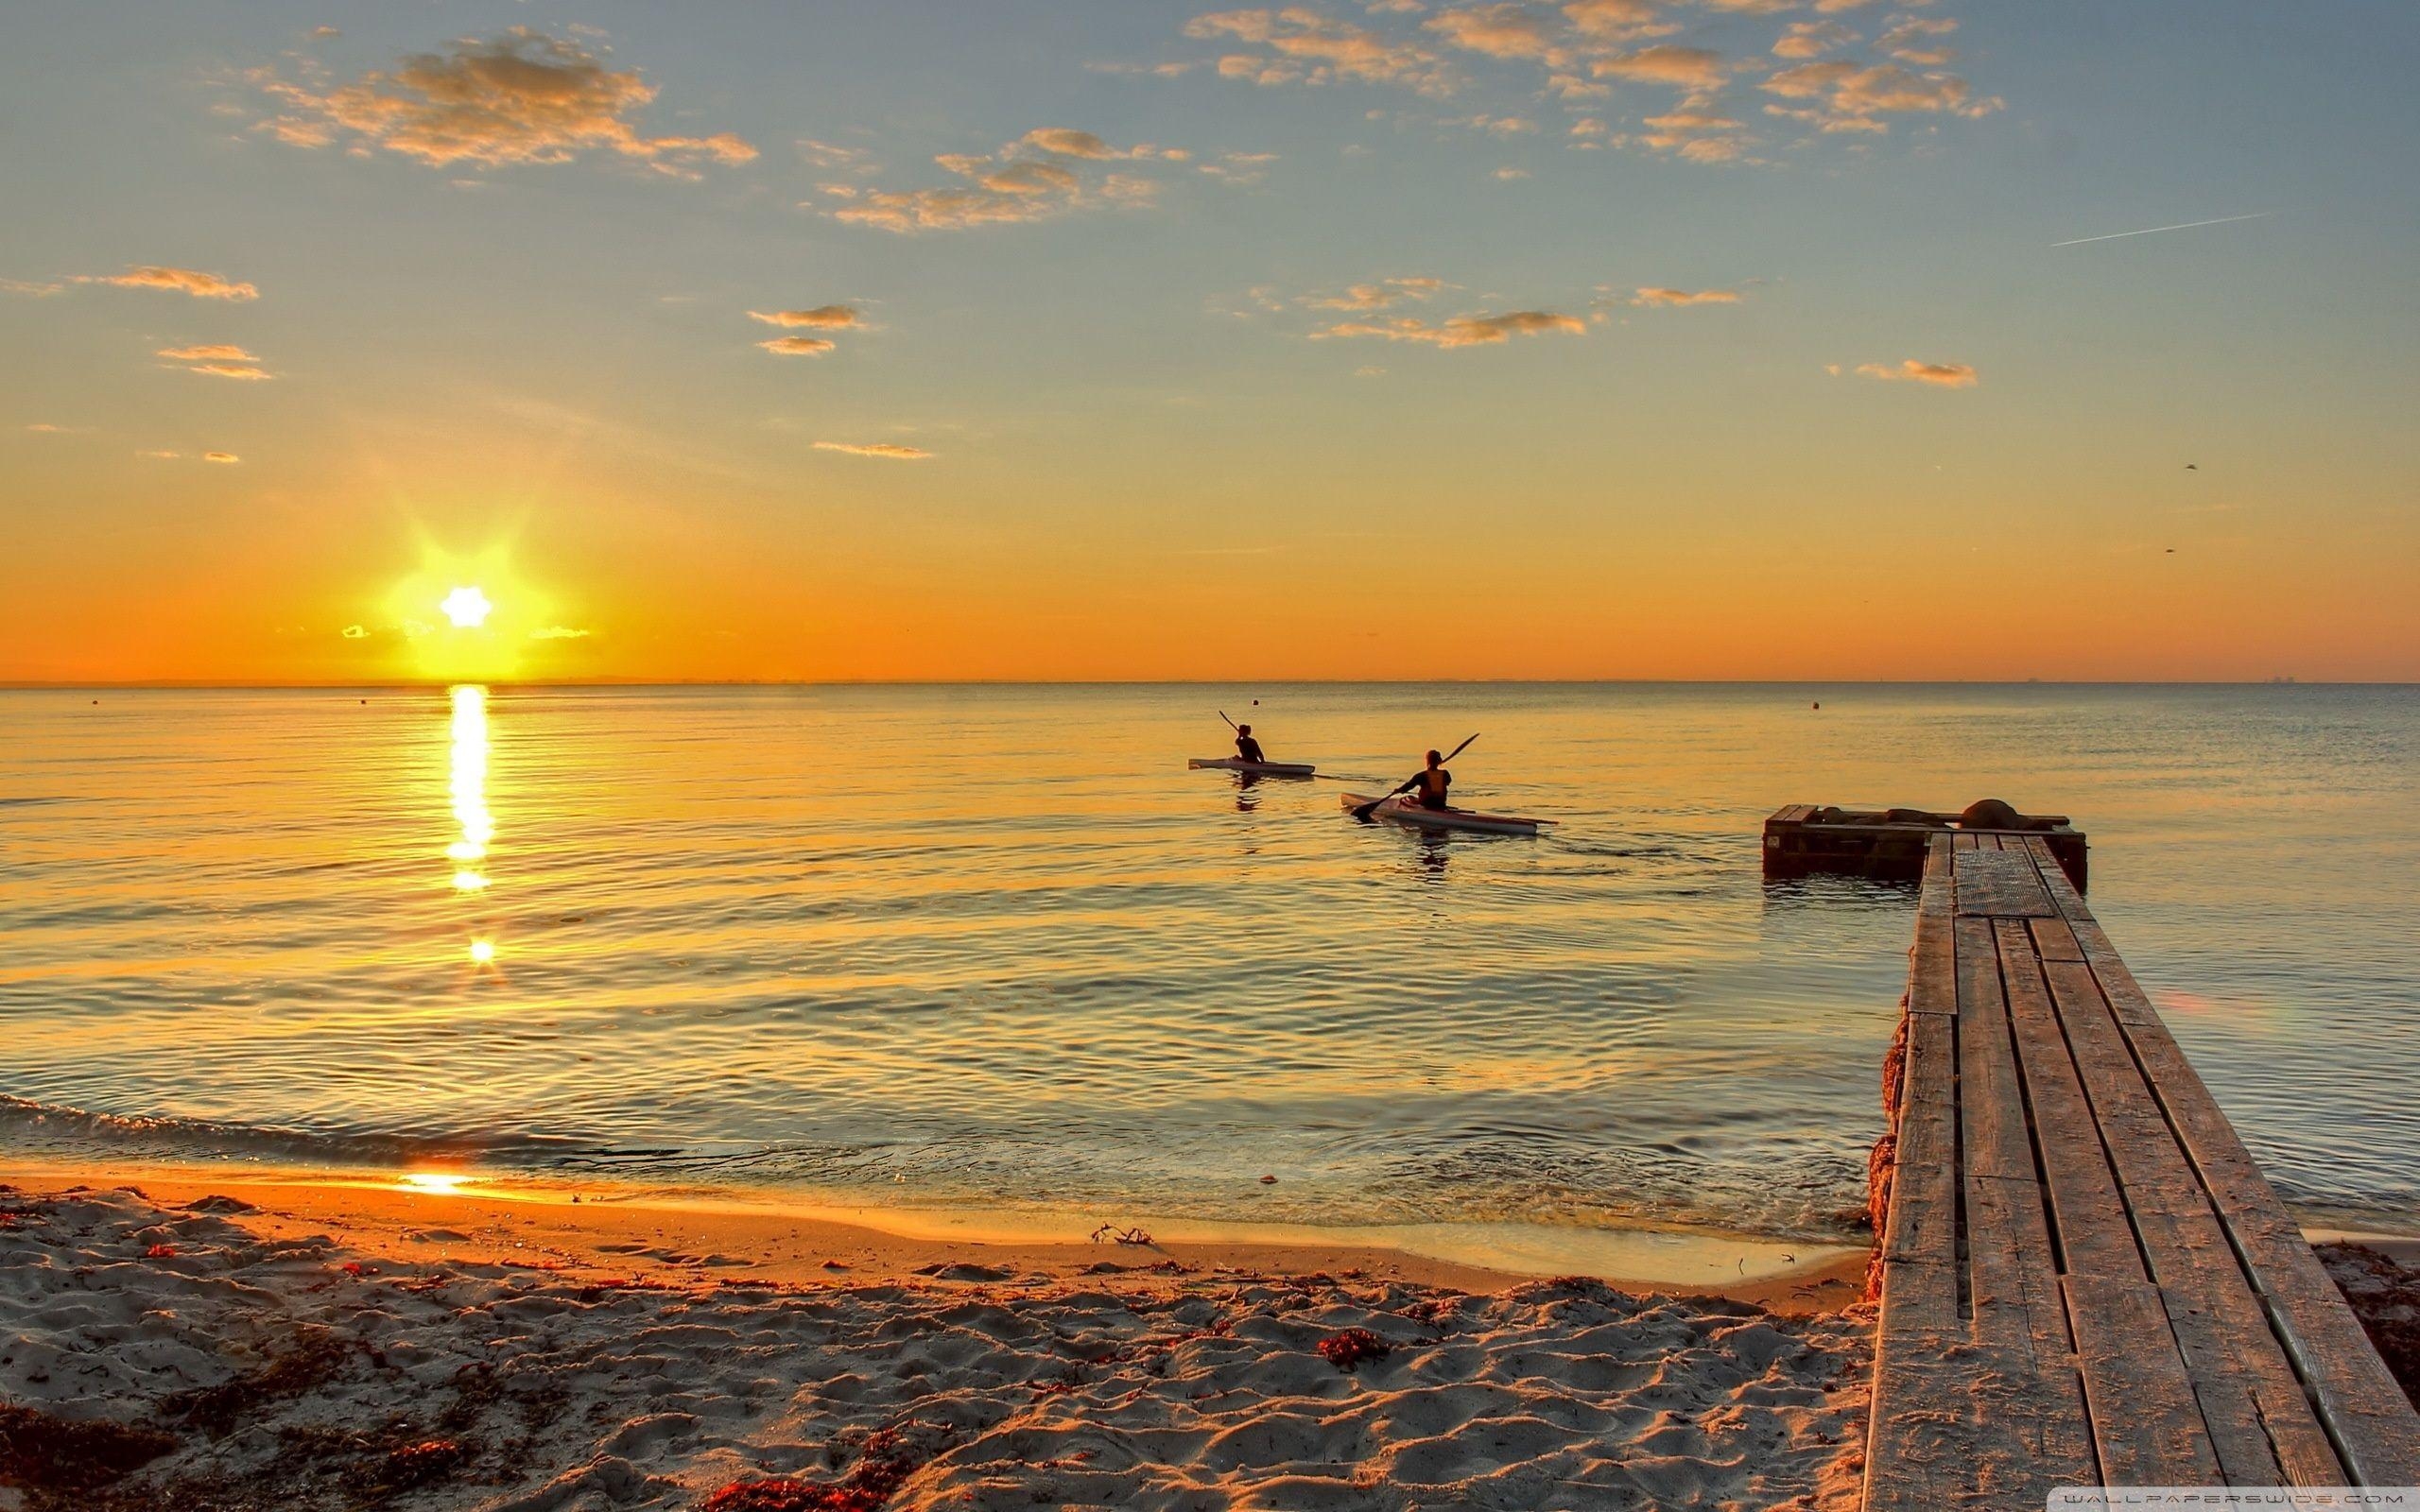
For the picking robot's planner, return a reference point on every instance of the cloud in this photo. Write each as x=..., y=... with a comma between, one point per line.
x=1849, y=97
x=1499, y=30
x=183, y=280
x=1241, y=169
x=1306, y=47
x=243, y=372
x=215, y=354
x=1617, y=21
x=519, y=98
x=355, y=632
x=1683, y=297
x=1066, y=142
x=1917, y=40
x=1004, y=188
x=1696, y=135
x=797, y=346
x=827, y=155
x=1812, y=39
x=228, y=458
x=43, y=427
x=1378, y=296
x=822, y=317
x=160, y=456
x=1939, y=375
x=888, y=449
x=1695, y=68
x=559, y=633
x=30, y=289
x=1461, y=330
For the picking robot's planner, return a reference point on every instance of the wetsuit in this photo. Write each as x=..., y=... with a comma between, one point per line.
x=1249, y=750
x=1430, y=787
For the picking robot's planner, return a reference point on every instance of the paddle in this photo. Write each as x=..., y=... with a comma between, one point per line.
x=1367, y=809
x=1231, y=724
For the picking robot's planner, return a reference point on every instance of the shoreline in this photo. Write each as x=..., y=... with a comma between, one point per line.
x=603, y=1229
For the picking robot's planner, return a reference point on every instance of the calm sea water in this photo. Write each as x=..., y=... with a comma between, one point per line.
x=997, y=945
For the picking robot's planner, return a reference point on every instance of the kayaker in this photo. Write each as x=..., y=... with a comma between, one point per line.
x=1246, y=748
x=1432, y=785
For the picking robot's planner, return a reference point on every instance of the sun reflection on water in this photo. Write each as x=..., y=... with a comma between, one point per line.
x=475, y=824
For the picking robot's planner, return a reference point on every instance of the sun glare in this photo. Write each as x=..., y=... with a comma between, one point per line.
x=467, y=608
x=436, y=1183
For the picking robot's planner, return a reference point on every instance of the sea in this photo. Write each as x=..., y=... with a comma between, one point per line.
x=996, y=947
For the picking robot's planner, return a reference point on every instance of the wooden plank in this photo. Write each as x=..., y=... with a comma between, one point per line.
x=2261, y=1424
x=1940, y=894
x=1991, y=1100
x=1931, y=961
x=2013, y=1277
x=2375, y=1429
x=1956, y=1423
x=2371, y=1422
x=1968, y=841
x=2089, y=1221
x=1923, y=1225
x=2000, y=885
x=2146, y=1424
x=1793, y=814
x=2053, y=940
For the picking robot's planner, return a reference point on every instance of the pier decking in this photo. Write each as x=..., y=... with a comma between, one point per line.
x=2084, y=1277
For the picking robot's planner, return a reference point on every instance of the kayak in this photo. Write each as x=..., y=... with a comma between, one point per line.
x=1231, y=763
x=1404, y=811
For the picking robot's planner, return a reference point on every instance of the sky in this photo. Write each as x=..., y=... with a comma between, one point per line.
x=1095, y=339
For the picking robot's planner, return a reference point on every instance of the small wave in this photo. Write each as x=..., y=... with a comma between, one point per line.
x=60, y=1129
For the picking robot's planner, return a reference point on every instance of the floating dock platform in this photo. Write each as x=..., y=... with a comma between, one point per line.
x=1892, y=842
x=2085, y=1279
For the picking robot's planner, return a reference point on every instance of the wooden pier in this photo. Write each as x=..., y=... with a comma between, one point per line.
x=2085, y=1279
x=1891, y=844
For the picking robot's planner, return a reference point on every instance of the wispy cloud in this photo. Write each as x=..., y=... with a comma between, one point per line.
x=181, y=280
x=207, y=353
x=224, y=458
x=520, y=97
x=798, y=346
x=1299, y=45
x=822, y=317
x=1693, y=68
x=1046, y=173
x=1379, y=296
x=1939, y=375
x=1585, y=49
x=559, y=633
x=1668, y=298
x=1461, y=331
x=887, y=450
x=31, y=288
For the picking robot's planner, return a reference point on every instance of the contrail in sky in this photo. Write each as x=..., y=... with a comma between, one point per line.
x=2147, y=230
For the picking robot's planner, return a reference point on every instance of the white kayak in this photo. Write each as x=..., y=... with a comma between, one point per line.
x=1403, y=810
x=1234, y=764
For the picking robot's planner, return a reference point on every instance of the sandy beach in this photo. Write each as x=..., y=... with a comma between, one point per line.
x=205, y=1343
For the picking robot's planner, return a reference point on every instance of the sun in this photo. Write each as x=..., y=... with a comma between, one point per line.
x=467, y=608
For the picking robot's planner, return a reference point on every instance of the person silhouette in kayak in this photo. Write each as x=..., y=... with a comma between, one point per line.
x=1246, y=747
x=1431, y=785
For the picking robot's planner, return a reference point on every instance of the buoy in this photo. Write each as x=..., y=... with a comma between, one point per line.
x=1818, y=703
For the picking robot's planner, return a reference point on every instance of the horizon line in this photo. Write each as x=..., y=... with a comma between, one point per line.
x=415, y=685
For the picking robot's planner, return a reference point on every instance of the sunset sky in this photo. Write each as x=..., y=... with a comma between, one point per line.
x=1613, y=339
